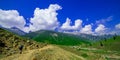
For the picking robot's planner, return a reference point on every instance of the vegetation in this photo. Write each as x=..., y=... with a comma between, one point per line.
x=62, y=47
x=107, y=49
x=112, y=44
x=90, y=53
x=57, y=38
x=10, y=43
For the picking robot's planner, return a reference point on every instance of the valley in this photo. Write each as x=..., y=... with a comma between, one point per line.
x=49, y=45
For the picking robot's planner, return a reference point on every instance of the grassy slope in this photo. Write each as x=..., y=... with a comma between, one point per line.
x=89, y=53
x=109, y=51
x=109, y=44
x=60, y=39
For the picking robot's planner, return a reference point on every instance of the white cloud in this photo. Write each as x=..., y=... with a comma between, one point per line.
x=45, y=18
x=117, y=26
x=67, y=26
x=103, y=21
x=78, y=24
x=100, y=29
x=11, y=18
x=87, y=29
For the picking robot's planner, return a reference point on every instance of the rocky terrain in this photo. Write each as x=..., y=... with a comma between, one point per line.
x=10, y=43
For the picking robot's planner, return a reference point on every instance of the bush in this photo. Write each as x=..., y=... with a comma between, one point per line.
x=84, y=55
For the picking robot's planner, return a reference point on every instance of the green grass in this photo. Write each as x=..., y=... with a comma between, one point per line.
x=110, y=44
x=65, y=40
x=97, y=54
x=110, y=49
x=60, y=39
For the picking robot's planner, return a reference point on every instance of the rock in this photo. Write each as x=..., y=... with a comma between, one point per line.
x=2, y=44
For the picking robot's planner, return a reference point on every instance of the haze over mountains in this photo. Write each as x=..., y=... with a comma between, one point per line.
x=80, y=35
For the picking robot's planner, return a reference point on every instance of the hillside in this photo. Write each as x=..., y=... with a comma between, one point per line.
x=10, y=43
x=57, y=38
x=14, y=30
x=9, y=49
x=112, y=44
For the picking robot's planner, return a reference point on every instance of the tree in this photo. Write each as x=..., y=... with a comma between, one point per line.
x=101, y=44
x=114, y=37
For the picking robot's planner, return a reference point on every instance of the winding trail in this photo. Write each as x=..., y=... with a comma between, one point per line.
x=48, y=52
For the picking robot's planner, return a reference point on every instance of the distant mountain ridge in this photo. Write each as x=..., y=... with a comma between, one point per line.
x=95, y=37
x=53, y=37
x=31, y=35
x=14, y=30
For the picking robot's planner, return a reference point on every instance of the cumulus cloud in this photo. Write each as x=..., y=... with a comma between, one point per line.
x=100, y=29
x=103, y=21
x=117, y=26
x=11, y=18
x=114, y=31
x=87, y=29
x=45, y=18
x=78, y=24
x=67, y=25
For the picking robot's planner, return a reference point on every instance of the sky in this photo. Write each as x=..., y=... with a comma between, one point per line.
x=72, y=16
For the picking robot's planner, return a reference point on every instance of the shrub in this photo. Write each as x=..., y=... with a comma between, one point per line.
x=84, y=55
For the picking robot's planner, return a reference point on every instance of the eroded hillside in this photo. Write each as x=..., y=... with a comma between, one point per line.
x=10, y=43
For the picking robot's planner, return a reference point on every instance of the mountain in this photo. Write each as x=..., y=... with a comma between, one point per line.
x=10, y=43
x=95, y=38
x=89, y=37
x=32, y=50
x=14, y=30
x=58, y=38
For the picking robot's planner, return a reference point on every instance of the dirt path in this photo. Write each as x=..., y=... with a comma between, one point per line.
x=48, y=52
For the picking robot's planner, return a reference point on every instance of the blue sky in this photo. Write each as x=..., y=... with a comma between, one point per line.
x=106, y=12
